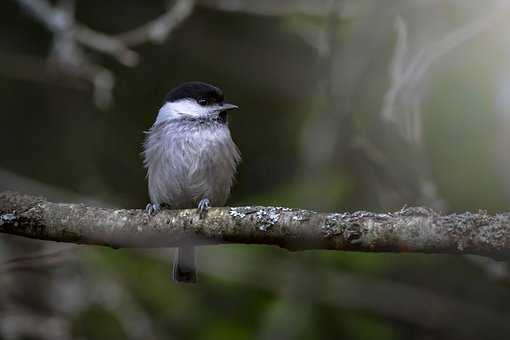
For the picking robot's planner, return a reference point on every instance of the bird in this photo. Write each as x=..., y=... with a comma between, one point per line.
x=190, y=158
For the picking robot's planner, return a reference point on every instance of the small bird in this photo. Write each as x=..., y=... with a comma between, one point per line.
x=191, y=159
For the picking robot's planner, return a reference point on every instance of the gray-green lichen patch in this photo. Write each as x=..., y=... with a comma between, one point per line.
x=9, y=218
x=242, y=212
x=415, y=211
x=267, y=217
x=477, y=230
x=330, y=226
x=300, y=215
x=348, y=226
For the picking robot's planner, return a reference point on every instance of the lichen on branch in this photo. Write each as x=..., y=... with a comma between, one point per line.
x=419, y=230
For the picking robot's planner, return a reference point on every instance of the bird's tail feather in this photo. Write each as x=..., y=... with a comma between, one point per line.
x=184, y=265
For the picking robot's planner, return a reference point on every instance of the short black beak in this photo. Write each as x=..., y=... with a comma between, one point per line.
x=228, y=106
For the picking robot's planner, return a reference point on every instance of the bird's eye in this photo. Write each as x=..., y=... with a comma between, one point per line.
x=202, y=102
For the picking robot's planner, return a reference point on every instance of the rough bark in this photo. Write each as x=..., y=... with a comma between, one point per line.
x=419, y=230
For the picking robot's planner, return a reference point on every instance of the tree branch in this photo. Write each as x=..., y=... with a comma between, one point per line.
x=418, y=230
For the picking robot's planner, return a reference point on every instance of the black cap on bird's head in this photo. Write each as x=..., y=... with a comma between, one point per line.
x=202, y=93
x=195, y=99
x=195, y=90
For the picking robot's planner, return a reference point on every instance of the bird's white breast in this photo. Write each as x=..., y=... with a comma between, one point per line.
x=186, y=163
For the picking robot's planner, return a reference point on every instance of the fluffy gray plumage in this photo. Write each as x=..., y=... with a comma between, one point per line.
x=190, y=158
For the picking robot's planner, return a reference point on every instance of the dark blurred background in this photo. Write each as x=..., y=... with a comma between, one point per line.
x=345, y=105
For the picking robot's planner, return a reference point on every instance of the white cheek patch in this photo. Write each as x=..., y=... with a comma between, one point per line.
x=178, y=108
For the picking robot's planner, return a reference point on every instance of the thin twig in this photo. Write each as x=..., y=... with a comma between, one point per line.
x=159, y=29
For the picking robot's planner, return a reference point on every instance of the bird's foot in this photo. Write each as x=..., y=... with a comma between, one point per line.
x=203, y=206
x=152, y=209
